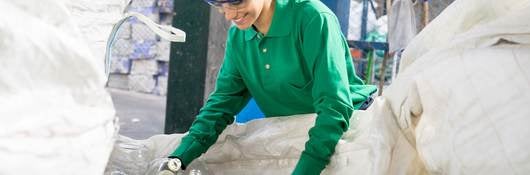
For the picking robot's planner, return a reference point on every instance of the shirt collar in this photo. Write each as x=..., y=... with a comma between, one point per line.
x=281, y=21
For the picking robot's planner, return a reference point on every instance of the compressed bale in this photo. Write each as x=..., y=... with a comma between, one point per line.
x=121, y=65
x=122, y=47
x=143, y=49
x=119, y=81
x=144, y=67
x=142, y=83
x=165, y=6
x=141, y=32
x=162, y=50
x=125, y=31
x=163, y=68
x=142, y=3
x=161, y=85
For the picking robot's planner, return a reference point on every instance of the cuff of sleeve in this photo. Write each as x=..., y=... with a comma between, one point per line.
x=308, y=165
x=188, y=150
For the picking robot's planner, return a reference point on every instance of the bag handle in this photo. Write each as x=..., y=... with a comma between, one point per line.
x=166, y=32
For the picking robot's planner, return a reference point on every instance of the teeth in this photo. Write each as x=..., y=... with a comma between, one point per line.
x=239, y=19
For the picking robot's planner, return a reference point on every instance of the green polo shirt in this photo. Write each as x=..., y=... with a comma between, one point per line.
x=303, y=65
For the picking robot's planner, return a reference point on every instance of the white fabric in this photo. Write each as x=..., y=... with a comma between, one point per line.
x=458, y=106
x=273, y=146
x=465, y=21
x=402, y=25
x=55, y=115
x=463, y=89
x=95, y=19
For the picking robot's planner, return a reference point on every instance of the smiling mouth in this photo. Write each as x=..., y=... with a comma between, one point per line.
x=240, y=20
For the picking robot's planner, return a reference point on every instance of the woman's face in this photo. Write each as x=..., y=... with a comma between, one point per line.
x=243, y=14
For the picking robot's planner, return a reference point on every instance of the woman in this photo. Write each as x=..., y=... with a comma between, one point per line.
x=291, y=57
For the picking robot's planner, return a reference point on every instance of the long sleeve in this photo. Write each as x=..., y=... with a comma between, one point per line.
x=228, y=98
x=325, y=49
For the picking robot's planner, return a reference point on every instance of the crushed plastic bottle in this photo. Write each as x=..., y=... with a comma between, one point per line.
x=156, y=167
x=197, y=167
x=134, y=159
x=195, y=172
x=160, y=166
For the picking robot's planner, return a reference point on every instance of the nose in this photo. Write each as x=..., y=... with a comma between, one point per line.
x=230, y=14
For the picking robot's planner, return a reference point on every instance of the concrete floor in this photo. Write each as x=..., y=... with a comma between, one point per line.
x=141, y=115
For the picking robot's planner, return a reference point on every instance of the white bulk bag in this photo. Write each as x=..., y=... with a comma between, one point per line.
x=464, y=88
x=55, y=115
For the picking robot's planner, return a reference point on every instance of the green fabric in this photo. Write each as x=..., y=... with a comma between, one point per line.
x=303, y=65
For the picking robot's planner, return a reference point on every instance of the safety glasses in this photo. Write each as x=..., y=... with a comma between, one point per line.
x=221, y=5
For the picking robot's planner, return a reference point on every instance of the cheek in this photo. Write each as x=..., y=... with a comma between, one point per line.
x=252, y=15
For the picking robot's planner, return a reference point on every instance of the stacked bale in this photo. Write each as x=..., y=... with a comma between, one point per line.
x=140, y=59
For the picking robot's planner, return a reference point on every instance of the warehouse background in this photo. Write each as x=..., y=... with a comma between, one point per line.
x=139, y=77
x=141, y=59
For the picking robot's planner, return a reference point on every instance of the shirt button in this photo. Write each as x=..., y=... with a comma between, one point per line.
x=264, y=50
x=267, y=66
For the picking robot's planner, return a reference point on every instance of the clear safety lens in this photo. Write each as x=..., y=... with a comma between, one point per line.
x=219, y=3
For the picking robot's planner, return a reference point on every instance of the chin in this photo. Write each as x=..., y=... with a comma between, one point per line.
x=246, y=23
x=243, y=26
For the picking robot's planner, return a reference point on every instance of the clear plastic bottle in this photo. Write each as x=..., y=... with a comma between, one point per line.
x=195, y=172
x=197, y=167
x=158, y=167
x=129, y=158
